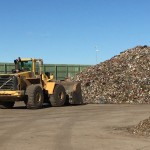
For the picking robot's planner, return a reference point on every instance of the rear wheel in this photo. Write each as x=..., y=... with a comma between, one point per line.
x=7, y=105
x=35, y=97
x=59, y=96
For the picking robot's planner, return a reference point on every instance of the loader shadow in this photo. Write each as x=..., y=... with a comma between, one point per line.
x=45, y=106
x=19, y=107
x=68, y=105
x=24, y=107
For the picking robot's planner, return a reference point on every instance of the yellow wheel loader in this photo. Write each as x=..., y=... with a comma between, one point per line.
x=30, y=84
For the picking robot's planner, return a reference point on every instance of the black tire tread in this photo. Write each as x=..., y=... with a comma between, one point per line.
x=54, y=100
x=30, y=92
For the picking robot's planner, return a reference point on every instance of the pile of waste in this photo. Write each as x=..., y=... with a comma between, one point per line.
x=143, y=128
x=125, y=78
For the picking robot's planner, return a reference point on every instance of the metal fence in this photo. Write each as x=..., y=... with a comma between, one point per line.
x=59, y=71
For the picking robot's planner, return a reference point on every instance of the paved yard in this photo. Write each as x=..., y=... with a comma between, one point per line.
x=86, y=127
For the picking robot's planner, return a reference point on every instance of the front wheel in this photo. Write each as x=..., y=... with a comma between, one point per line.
x=35, y=97
x=6, y=105
x=59, y=96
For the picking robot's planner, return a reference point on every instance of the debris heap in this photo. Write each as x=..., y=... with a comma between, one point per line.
x=125, y=78
x=143, y=128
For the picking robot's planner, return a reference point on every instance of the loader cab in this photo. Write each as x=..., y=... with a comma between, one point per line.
x=22, y=65
x=28, y=64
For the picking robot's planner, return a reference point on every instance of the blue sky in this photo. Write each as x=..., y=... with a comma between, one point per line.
x=68, y=31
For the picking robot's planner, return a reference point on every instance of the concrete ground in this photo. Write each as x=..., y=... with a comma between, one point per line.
x=86, y=127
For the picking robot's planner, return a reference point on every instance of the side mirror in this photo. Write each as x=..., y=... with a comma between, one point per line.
x=15, y=61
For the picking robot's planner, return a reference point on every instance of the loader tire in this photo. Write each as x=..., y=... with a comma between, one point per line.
x=67, y=103
x=59, y=96
x=6, y=105
x=35, y=97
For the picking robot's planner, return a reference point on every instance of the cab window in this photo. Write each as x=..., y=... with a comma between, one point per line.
x=25, y=65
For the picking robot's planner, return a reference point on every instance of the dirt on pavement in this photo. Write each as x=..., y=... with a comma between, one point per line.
x=83, y=127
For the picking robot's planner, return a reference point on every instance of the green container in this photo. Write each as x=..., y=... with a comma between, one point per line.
x=51, y=69
x=9, y=68
x=59, y=71
x=2, y=68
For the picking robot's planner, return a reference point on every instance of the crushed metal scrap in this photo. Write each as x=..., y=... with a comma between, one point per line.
x=125, y=78
x=143, y=128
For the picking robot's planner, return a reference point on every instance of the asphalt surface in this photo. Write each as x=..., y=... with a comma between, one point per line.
x=86, y=127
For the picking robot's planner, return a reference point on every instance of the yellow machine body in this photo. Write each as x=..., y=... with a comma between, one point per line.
x=29, y=72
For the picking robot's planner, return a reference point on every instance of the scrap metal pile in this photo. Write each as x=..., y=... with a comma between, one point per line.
x=125, y=78
x=143, y=128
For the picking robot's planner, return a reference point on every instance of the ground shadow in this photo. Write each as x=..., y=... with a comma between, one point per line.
x=45, y=106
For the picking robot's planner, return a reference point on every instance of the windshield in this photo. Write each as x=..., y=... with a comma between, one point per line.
x=25, y=65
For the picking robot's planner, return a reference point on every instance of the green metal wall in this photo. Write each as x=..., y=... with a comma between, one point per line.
x=59, y=71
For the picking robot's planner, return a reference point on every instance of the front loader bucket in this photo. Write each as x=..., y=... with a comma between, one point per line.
x=73, y=90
